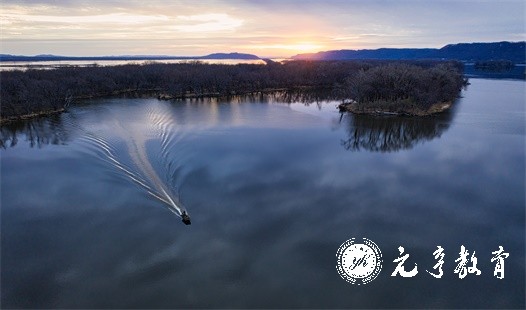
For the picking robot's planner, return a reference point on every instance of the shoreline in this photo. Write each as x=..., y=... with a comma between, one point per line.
x=384, y=108
x=25, y=117
x=390, y=108
x=144, y=93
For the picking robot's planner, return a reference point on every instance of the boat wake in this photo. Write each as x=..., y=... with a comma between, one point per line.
x=150, y=125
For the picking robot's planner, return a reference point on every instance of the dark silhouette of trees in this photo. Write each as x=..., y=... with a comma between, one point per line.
x=37, y=132
x=34, y=92
x=494, y=65
x=403, y=88
x=391, y=134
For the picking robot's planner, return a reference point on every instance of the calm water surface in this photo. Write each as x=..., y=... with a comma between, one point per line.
x=273, y=189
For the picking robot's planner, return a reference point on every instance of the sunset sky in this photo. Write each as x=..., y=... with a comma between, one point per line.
x=265, y=28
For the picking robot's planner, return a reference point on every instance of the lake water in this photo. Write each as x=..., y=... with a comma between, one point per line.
x=273, y=189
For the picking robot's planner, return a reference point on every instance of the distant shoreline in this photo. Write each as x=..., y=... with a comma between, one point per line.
x=39, y=58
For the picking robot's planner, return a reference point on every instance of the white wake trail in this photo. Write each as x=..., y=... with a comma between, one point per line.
x=134, y=135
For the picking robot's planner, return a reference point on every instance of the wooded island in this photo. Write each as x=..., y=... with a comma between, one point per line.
x=406, y=87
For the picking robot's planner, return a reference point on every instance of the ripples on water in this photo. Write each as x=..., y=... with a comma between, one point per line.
x=153, y=124
x=273, y=190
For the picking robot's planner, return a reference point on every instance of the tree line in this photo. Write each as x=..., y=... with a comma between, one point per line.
x=40, y=91
x=404, y=84
x=494, y=65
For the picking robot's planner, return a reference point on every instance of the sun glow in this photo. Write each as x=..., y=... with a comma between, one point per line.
x=305, y=47
x=293, y=47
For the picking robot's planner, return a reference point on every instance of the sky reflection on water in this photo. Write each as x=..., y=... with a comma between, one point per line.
x=273, y=192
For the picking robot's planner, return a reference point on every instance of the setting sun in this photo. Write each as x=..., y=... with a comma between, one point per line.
x=304, y=47
x=287, y=49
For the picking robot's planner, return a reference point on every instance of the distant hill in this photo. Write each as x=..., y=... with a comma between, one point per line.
x=381, y=53
x=47, y=57
x=229, y=56
x=513, y=51
x=8, y=57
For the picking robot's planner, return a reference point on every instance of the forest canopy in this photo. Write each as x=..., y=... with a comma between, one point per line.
x=34, y=92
